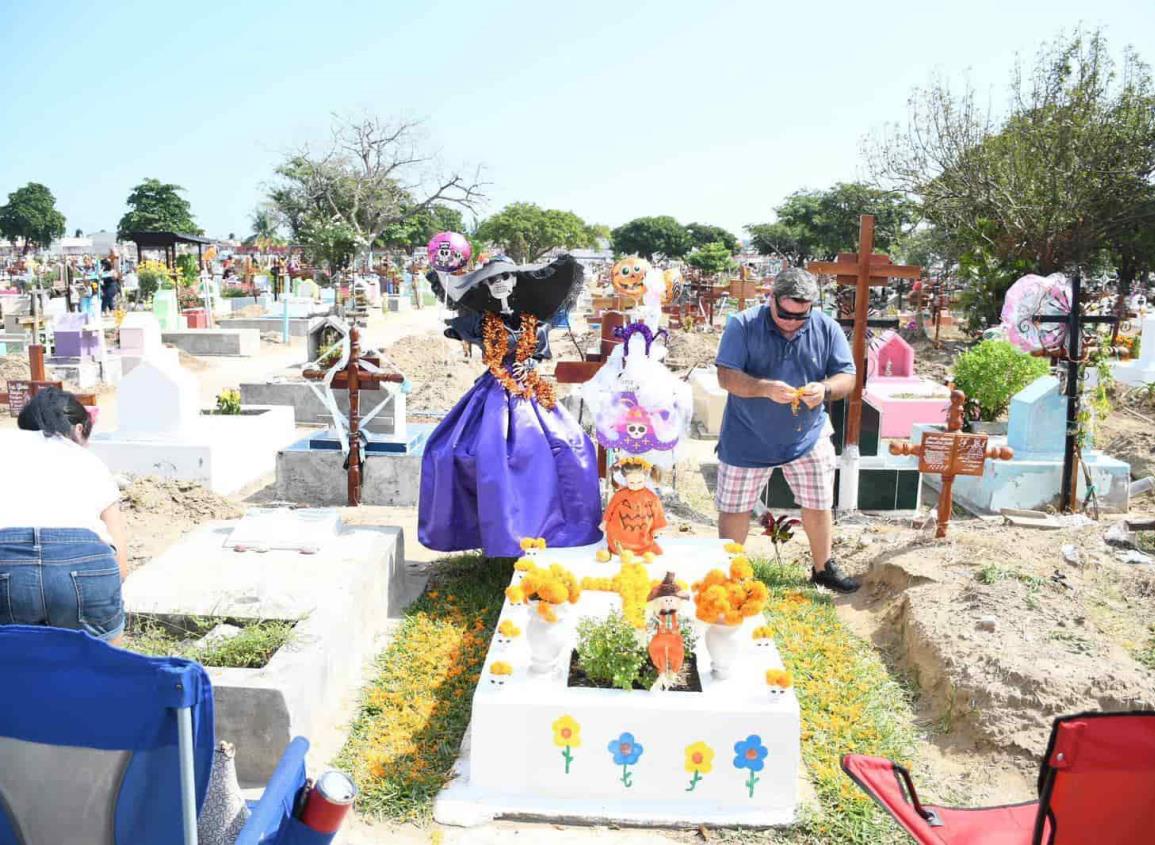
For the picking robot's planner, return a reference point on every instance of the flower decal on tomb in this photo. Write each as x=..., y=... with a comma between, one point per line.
x=699, y=762
x=567, y=736
x=750, y=754
x=625, y=750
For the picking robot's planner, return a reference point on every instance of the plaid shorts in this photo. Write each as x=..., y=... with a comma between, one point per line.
x=811, y=477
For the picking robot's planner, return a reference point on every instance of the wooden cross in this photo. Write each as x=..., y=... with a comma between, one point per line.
x=355, y=377
x=579, y=372
x=863, y=269
x=1073, y=356
x=950, y=453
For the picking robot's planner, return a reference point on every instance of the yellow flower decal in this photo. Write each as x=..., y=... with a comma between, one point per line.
x=699, y=758
x=567, y=736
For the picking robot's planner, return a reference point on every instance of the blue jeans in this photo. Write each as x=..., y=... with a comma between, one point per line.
x=63, y=577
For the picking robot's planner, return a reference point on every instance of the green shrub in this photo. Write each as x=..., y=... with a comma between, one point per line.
x=234, y=293
x=609, y=652
x=229, y=402
x=992, y=372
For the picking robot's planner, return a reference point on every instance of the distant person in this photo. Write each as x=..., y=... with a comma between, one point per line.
x=109, y=284
x=62, y=547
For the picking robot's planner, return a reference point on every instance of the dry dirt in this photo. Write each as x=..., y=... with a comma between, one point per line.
x=438, y=370
x=158, y=512
x=1128, y=432
x=1066, y=637
x=14, y=367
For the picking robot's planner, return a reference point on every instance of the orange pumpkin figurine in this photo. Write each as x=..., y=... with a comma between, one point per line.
x=629, y=277
x=667, y=651
x=634, y=513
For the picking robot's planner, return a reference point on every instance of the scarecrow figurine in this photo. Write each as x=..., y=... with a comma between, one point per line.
x=634, y=514
x=667, y=652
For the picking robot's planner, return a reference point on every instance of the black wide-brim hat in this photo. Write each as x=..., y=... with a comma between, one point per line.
x=541, y=290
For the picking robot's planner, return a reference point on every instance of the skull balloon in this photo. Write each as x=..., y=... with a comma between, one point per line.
x=449, y=252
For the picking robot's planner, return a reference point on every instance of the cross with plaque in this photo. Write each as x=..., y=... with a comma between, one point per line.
x=950, y=453
x=361, y=372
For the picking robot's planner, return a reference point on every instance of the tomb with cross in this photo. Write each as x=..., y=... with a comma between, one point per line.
x=950, y=453
x=863, y=269
x=359, y=372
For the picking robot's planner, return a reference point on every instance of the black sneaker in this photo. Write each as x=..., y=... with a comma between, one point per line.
x=832, y=578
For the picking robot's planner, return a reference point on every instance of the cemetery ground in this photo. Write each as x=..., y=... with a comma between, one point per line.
x=953, y=658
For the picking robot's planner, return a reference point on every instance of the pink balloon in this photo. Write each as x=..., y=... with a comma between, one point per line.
x=449, y=252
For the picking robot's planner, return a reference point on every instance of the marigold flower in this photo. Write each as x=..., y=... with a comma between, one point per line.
x=508, y=629
x=516, y=595
x=779, y=678
x=527, y=543
x=500, y=667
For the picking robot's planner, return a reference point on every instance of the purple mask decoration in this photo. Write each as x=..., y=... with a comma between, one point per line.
x=638, y=328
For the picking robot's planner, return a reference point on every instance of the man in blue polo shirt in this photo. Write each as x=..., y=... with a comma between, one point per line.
x=780, y=362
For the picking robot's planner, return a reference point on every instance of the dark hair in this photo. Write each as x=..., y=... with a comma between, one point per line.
x=55, y=411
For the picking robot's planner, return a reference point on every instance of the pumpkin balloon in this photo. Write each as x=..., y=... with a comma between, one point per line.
x=673, y=277
x=449, y=252
x=629, y=277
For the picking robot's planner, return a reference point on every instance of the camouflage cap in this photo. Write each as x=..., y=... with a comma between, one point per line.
x=796, y=283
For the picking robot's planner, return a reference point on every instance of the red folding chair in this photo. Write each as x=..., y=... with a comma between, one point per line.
x=1096, y=785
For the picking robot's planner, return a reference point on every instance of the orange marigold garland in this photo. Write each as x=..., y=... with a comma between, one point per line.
x=495, y=345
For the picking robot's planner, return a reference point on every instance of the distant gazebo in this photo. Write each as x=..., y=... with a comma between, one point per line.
x=167, y=242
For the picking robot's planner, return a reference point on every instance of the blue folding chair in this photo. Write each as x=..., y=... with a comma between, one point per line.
x=101, y=746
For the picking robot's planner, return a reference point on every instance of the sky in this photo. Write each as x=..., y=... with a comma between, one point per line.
x=712, y=112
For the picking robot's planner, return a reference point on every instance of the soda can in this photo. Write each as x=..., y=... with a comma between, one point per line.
x=328, y=802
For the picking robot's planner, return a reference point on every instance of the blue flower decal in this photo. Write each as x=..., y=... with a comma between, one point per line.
x=750, y=754
x=626, y=751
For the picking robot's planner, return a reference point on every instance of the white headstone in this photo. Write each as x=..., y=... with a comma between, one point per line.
x=140, y=334
x=157, y=397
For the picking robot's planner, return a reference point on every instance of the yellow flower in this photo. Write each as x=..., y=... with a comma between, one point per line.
x=699, y=758
x=567, y=732
x=734, y=548
x=528, y=543
x=508, y=629
x=762, y=633
x=523, y=564
x=740, y=569
x=500, y=667
x=515, y=595
x=779, y=678
x=603, y=556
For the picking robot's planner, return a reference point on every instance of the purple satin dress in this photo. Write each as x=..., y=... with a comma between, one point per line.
x=499, y=468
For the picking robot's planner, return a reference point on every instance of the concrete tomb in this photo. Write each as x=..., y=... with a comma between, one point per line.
x=902, y=398
x=1032, y=479
x=163, y=432
x=1141, y=370
x=234, y=342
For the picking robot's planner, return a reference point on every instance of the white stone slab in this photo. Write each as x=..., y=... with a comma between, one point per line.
x=514, y=768
x=305, y=529
x=709, y=400
x=157, y=397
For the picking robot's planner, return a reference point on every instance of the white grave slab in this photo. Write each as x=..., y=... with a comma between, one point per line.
x=514, y=765
x=305, y=530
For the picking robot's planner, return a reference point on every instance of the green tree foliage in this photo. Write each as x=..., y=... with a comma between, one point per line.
x=526, y=232
x=712, y=259
x=155, y=206
x=370, y=182
x=650, y=236
x=1062, y=178
x=419, y=227
x=266, y=227
x=820, y=224
x=30, y=215
x=703, y=234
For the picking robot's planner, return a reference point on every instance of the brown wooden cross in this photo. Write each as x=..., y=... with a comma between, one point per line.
x=579, y=372
x=950, y=453
x=355, y=377
x=863, y=269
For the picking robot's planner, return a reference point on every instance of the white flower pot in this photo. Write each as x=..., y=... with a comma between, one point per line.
x=722, y=643
x=546, y=640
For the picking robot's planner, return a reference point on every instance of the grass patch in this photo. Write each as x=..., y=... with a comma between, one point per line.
x=250, y=649
x=413, y=715
x=1145, y=541
x=850, y=704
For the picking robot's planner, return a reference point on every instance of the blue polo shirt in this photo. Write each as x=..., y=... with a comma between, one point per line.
x=762, y=433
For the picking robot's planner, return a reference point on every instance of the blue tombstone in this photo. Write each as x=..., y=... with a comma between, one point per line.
x=1038, y=418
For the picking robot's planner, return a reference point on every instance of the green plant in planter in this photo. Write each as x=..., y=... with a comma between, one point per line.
x=991, y=373
x=609, y=652
x=229, y=402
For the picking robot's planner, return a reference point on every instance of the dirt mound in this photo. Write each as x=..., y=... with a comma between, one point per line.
x=159, y=511
x=1002, y=635
x=438, y=370
x=14, y=367
x=688, y=350
x=1129, y=435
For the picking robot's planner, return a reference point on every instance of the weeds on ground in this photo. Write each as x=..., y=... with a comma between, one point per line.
x=250, y=649
x=413, y=715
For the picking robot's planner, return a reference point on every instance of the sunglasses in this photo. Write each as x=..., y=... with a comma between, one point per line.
x=792, y=316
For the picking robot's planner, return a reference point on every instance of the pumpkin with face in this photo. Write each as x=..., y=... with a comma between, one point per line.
x=629, y=277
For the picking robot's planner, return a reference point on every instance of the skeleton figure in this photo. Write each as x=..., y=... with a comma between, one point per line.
x=501, y=288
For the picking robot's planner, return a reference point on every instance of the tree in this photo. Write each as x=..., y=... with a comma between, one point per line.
x=820, y=224
x=712, y=259
x=419, y=227
x=155, y=206
x=703, y=234
x=31, y=216
x=79, y=233
x=526, y=232
x=372, y=176
x=650, y=236
x=266, y=227
x=1062, y=178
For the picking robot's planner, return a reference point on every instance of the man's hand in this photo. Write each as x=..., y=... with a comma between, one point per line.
x=813, y=394
x=780, y=391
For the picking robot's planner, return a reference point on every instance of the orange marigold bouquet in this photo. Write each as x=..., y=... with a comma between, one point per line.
x=548, y=587
x=727, y=599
